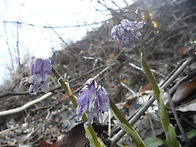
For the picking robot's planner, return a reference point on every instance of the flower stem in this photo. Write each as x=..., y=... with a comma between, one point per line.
x=73, y=98
x=167, y=127
x=149, y=74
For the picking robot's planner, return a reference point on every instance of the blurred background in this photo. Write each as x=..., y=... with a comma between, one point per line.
x=25, y=32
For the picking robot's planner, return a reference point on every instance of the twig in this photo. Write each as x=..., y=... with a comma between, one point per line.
x=25, y=106
x=57, y=27
x=87, y=73
x=148, y=113
x=13, y=93
x=128, y=89
x=152, y=70
x=151, y=123
x=176, y=118
x=17, y=44
x=150, y=120
x=104, y=70
x=10, y=129
x=66, y=43
x=188, y=122
x=9, y=50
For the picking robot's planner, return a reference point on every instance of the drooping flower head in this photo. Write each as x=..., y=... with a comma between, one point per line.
x=125, y=32
x=92, y=99
x=39, y=71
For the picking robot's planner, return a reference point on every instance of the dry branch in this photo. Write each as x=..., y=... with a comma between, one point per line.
x=25, y=106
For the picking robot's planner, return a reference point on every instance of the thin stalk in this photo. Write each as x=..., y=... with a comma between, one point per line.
x=149, y=74
x=168, y=129
x=73, y=98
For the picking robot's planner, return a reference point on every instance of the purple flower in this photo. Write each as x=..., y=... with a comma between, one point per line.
x=125, y=32
x=92, y=99
x=39, y=71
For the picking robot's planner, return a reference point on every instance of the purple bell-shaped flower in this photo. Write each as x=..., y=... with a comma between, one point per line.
x=125, y=32
x=39, y=72
x=92, y=99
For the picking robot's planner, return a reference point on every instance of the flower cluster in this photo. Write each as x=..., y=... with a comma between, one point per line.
x=125, y=32
x=39, y=71
x=92, y=99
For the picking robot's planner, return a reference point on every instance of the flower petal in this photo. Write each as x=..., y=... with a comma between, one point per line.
x=39, y=72
x=125, y=32
x=91, y=100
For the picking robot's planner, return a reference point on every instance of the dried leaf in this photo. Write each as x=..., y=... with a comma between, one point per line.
x=183, y=91
x=146, y=87
x=111, y=55
x=181, y=50
x=76, y=136
x=190, y=106
x=65, y=95
x=45, y=144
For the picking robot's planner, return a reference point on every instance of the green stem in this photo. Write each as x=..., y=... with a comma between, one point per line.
x=134, y=135
x=149, y=74
x=169, y=130
x=73, y=98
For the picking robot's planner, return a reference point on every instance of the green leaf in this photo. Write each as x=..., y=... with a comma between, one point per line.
x=191, y=134
x=163, y=113
x=101, y=142
x=153, y=142
x=171, y=137
x=136, y=138
x=125, y=124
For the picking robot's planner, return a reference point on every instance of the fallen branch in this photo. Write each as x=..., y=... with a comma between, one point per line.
x=13, y=93
x=25, y=106
x=8, y=130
